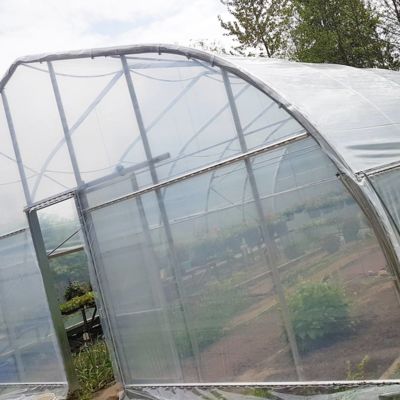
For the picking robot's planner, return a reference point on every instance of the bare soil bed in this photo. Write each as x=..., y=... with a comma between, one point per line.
x=255, y=347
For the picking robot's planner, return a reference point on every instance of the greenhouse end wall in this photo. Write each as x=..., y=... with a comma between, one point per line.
x=29, y=351
x=224, y=248
x=213, y=314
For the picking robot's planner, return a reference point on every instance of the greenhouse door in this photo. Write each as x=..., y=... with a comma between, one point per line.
x=60, y=250
x=64, y=244
x=125, y=255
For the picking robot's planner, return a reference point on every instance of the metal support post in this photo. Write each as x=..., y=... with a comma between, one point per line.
x=17, y=152
x=163, y=213
x=271, y=255
x=55, y=312
x=107, y=318
x=64, y=124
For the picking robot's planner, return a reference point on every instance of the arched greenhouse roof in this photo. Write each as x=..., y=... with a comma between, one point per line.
x=354, y=110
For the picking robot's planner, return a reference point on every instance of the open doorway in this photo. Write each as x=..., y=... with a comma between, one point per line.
x=65, y=268
x=68, y=263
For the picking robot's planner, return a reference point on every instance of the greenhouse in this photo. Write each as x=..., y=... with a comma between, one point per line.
x=240, y=217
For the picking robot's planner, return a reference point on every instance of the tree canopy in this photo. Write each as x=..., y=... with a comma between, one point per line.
x=261, y=25
x=351, y=32
x=389, y=12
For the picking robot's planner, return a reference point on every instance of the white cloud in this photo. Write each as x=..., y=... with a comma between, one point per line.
x=30, y=27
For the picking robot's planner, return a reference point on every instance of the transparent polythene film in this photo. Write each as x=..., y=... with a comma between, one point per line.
x=106, y=105
x=309, y=392
x=387, y=186
x=210, y=287
x=28, y=346
x=350, y=107
x=354, y=110
x=33, y=392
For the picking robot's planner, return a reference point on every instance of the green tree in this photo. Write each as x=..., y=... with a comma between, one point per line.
x=259, y=26
x=389, y=11
x=212, y=46
x=349, y=32
x=340, y=32
x=68, y=267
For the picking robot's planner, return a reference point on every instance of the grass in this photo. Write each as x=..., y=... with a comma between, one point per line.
x=93, y=369
x=358, y=371
x=264, y=393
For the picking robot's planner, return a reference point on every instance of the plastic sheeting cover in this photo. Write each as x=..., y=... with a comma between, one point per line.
x=211, y=313
x=204, y=242
x=33, y=392
x=355, y=110
x=389, y=392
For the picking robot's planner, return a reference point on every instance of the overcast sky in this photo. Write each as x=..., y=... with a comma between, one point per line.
x=37, y=26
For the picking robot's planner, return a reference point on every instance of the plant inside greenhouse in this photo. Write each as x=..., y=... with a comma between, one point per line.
x=319, y=311
x=225, y=227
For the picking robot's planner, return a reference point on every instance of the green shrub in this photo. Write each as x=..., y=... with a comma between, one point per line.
x=264, y=393
x=330, y=243
x=75, y=289
x=319, y=311
x=350, y=229
x=77, y=303
x=93, y=368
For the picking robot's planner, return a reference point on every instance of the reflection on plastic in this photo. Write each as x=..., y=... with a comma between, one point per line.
x=332, y=392
x=33, y=392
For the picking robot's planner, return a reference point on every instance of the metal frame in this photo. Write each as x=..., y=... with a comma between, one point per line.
x=92, y=185
x=151, y=125
x=163, y=211
x=49, y=287
x=197, y=215
x=199, y=171
x=380, y=170
x=75, y=126
x=358, y=187
x=13, y=233
x=90, y=244
x=64, y=124
x=212, y=177
x=17, y=153
x=355, y=383
x=271, y=254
